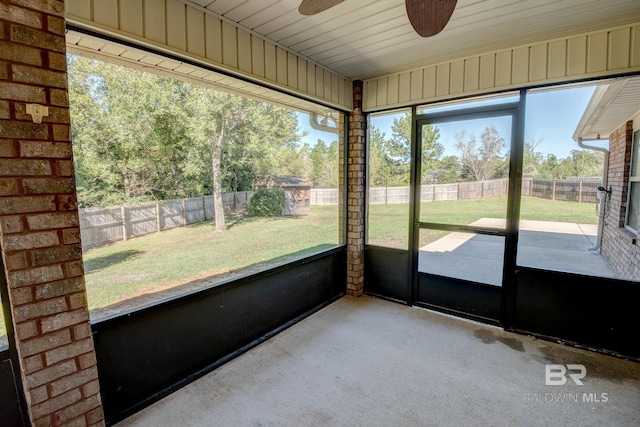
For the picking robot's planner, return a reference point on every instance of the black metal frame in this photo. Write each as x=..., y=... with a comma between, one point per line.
x=474, y=300
x=583, y=311
x=149, y=353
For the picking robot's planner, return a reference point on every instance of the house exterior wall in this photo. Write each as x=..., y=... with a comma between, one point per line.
x=619, y=245
x=39, y=228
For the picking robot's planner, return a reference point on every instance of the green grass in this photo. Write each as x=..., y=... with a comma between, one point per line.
x=388, y=224
x=162, y=261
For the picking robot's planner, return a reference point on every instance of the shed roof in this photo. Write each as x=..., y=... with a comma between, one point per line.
x=284, y=181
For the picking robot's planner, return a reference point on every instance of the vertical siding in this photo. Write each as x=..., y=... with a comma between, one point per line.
x=596, y=54
x=191, y=31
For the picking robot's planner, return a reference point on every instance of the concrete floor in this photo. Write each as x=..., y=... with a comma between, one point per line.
x=368, y=362
x=558, y=246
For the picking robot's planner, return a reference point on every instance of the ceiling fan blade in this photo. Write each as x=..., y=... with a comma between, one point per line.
x=429, y=17
x=311, y=7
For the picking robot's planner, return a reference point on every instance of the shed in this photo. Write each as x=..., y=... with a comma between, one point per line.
x=297, y=192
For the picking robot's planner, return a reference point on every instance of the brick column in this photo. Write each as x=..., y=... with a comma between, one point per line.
x=355, y=193
x=39, y=228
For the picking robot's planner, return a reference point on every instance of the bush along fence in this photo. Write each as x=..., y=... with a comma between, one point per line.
x=99, y=226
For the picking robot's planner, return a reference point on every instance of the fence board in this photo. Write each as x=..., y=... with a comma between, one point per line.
x=99, y=226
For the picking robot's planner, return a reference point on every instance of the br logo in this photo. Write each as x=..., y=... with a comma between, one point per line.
x=557, y=374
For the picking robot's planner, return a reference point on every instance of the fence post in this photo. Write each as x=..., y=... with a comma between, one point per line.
x=184, y=213
x=158, y=225
x=580, y=192
x=123, y=213
x=204, y=208
x=553, y=191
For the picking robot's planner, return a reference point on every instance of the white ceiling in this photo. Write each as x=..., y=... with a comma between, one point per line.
x=364, y=39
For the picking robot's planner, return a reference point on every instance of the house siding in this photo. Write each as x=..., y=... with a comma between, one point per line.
x=619, y=245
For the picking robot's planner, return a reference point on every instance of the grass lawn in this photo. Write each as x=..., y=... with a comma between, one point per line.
x=162, y=261
x=388, y=224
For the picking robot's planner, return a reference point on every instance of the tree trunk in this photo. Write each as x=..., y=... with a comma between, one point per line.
x=218, y=206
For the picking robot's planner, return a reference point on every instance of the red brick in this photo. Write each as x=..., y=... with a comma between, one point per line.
x=46, y=421
x=20, y=15
x=78, y=300
x=56, y=255
x=35, y=75
x=69, y=351
x=67, y=202
x=95, y=416
x=40, y=309
x=38, y=394
x=21, y=296
x=55, y=114
x=19, y=167
x=56, y=403
x=52, y=220
x=26, y=330
x=78, y=409
x=74, y=268
x=10, y=224
x=15, y=205
x=23, y=54
x=34, y=276
x=32, y=364
x=9, y=187
x=57, y=61
x=82, y=330
x=91, y=388
x=76, y=422
x=52, y=7
x=17, y=92
x=23, y=130
x=59, y=97
x=30, y=241
x=63, y=320
x=33, y=37
x=46, y=149
x=40, y=345
x=62, y=132
x=59, y=288
x=64, y=167
x=56, y=25
x=87, y=360
x=5, y=113
x=74, y=380
x=7, y=148
x=70, y=236
x=48, y=185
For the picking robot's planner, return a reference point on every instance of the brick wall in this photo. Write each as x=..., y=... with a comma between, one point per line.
x=39, y=228
x=355, y=193
x=619, y=246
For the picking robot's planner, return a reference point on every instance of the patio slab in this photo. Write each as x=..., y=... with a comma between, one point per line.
x=549, y=245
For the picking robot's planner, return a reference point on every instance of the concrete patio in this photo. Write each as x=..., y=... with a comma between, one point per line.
x=368, y=362
x=558, y=246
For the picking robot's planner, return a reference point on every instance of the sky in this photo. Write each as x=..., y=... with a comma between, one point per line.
x=551, y=116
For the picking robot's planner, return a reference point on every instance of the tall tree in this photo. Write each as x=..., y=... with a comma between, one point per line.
x=480, y=161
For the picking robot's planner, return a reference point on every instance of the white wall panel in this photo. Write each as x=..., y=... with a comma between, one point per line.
x=190, y=31
x=590, y=55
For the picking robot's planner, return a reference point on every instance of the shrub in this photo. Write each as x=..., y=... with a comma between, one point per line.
x=266, y=202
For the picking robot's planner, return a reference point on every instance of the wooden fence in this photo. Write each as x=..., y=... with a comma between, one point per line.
x=576, y=190
x=99, y=226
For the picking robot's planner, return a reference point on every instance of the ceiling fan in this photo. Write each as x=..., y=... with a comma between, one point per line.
x=428, y=17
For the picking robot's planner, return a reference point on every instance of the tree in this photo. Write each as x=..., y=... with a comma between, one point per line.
x=483, y=161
